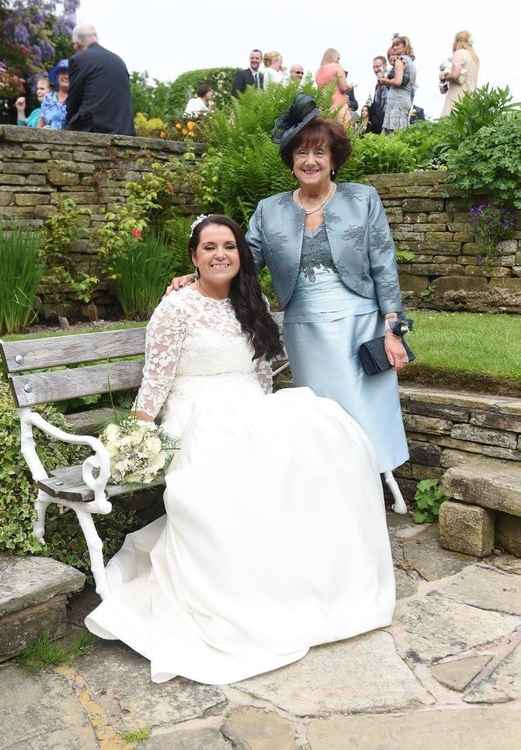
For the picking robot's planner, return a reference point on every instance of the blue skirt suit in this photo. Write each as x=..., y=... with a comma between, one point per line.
x=326, y=317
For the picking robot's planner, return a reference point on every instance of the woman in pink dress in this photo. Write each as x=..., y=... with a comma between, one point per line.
x=331, y=71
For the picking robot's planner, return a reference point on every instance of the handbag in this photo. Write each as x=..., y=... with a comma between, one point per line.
x=373, y=357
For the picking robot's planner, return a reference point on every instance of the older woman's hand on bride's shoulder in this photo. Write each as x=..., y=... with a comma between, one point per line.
x=178, y=282
x=395, y=351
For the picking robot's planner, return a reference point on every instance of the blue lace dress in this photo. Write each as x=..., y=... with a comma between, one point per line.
x=324, y=325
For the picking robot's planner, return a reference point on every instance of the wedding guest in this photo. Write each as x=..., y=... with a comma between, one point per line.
x=331, y=256
x=296, y=73
x=200, y=104
x=273, y=72
x=274, y=538
x=99, y=100
x=331, y=71
x=363, y=125
x=43, y=87
x=377, y=108
x=251, y=76
x=54, y=105
x=463, y=75
x=401, y=84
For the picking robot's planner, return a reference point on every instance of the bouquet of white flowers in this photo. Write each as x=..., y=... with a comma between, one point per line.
x=445, y=68
x=139, y=451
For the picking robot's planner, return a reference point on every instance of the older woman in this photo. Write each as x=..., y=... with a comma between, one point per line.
x=401, y=84
x=332, y=260
x=463, y=75
x=43, y=87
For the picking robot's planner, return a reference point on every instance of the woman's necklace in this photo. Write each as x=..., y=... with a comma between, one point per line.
x=310, y=211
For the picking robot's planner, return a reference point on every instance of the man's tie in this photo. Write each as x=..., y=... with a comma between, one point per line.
x=256, y=78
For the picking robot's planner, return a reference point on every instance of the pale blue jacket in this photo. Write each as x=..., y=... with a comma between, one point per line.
x=359, y=236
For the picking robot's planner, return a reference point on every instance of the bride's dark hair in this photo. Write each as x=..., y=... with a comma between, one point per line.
x=246, y=295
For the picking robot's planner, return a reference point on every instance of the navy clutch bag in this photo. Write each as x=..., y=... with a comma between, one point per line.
x=373, y=357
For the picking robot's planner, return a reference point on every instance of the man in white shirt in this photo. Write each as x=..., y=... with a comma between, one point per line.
x=296, y=73
x=200, y=104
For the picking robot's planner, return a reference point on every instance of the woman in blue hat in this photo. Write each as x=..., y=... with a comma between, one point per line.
x=54, y=106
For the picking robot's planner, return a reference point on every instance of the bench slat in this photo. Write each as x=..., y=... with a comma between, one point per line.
x=89, y=422
x=67, y=484
x=65, y=350
x=42, y=387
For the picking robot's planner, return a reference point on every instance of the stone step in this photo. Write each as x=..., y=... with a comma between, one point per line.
x=33, y=600
x=489, y=484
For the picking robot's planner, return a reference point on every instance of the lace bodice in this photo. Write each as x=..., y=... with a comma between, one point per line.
x=316, y=253
x=189, y=336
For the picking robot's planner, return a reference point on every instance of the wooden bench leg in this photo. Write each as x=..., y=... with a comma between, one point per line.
x=95, y=547
x=399, y=503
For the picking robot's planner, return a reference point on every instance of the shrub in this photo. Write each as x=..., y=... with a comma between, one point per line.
x=185, y=85
x=142, y=274
x=65, y=540
x=427, y=140
x=20, y=274
x=378, y=154
x=475, y=110
x=149, y=97
x=488, y=163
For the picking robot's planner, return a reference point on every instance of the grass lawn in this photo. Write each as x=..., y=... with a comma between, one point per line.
x=476, y=351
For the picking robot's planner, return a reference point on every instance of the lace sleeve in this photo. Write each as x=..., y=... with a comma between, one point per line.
x=264, y=375
x=166, y=332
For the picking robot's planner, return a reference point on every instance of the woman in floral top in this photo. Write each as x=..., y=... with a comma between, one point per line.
x=54, y=106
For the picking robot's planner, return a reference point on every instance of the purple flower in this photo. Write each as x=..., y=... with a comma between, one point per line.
x=46, y=49
x=21, y=34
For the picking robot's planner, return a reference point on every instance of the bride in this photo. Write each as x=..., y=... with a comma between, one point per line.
x=274, y=538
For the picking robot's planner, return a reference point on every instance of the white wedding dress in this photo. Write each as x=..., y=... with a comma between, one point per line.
x=274, y=538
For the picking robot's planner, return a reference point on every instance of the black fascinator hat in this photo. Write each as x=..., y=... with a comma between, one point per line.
x=294, y=119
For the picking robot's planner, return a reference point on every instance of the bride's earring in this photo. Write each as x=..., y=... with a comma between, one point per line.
x=196, y=273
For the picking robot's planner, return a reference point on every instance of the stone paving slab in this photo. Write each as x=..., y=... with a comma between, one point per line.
x=457, y=673
x=503, y=685
x=483, y=587
x=431, y=561
x=119, y=681
x=491, y=728
x=430, y=627
x=189, y=739
x=40, y=712
x=255, y=729
x=335, y=678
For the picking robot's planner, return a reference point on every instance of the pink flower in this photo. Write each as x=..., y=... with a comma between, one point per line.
x=136, y=233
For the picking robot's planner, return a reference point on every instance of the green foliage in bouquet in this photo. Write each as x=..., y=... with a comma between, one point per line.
x=20, y=274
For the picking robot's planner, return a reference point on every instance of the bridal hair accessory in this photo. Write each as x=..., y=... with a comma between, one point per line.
x=199, y=219
x=294, y=119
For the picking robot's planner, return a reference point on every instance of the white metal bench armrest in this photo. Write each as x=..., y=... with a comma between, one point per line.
x=96, y=468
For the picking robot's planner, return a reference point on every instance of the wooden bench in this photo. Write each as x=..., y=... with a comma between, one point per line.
x=57, y=369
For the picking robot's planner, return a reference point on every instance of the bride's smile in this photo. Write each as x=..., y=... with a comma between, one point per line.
x=217, y=260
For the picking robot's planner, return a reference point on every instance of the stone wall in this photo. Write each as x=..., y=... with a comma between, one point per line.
x=40, y=167
x=449, y=428
x=448, y=272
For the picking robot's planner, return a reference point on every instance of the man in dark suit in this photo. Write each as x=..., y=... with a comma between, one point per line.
x=377, y=108
x=99, y=98
x=250, y=76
